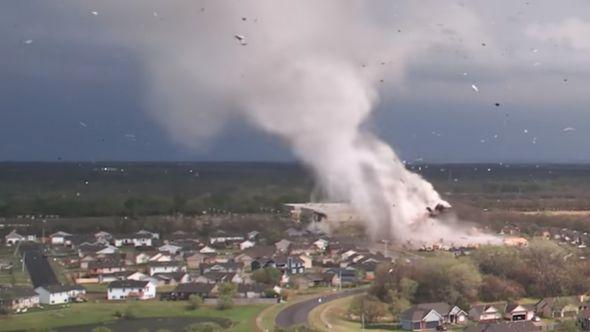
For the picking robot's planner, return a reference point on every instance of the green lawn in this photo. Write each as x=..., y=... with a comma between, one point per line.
x=91, y=313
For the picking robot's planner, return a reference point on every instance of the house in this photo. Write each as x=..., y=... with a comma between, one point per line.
x=171, y=278
x=108, y=266
x=160, y=257
x=307, y=261
x=103, y=236
x=184, y=291
x=138, y=276
x=207, y=250
x=289, y=264
x=451, y=314
x=164, y=267
x=518, y=312
x=262, y=263
x=170, y=249
x=124, y=289
x=59, y=294
x=14, y=238
x=523, y=326
x=244, y=259
x=96, y=249
x=321, y=244
x=416, y=318
x=246, y=244
x=229, y=266
x=222, y=237
x=142, y=239
x=18, y=298
x=196, y=259
x=485, y=313
x=60, y=238
x=342, y=276
x=253, y=235
x=253, y=291
x=283, y=245
x=560, y=307
x=217, y=277
x=153, y=235
x=141, y=258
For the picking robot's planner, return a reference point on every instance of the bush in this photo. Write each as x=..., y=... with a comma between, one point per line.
x=194, y=302
x=203, y=327
x=227, y=291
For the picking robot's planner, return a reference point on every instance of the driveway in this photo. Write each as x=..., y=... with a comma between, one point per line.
x=297, y=313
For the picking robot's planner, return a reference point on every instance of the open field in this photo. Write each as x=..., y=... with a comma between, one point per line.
x=93, y=313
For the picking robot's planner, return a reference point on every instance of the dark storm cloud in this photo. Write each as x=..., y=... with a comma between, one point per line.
x=62, y=65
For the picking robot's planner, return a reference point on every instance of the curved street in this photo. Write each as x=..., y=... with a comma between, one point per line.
x=297, y=313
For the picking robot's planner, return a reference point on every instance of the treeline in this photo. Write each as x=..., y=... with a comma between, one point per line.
x=490, y=274
x=73, y=205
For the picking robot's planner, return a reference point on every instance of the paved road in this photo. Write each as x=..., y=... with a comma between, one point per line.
x=38, y=267
x=297, y=314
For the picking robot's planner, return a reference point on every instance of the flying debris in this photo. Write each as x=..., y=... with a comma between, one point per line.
x=526, y=131
x=95, y=13
x=131, y=137
x=568, y=129
x=437, y=210
x=497, y=104
x=28, y=41
x=83, y=124
x=474, y=87
x=535, y=50
x=483, y=44
x=241, y=39
x=565, y=79
x=243, y=18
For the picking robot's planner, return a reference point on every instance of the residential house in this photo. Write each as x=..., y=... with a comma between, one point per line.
x=253, y=291
x=96, y=249
x=416, y=318
x=184, y=291
x=207, y=250
x=253, y=235
x=229, y=266
x=170, y=249
x=560, y=307
x=342, y=276
x=244, y=259
x=262, y=263
x=485, y=312
x=451, y=314
x=194, y=260
x=289, y=264
x=14, y=238
x=142, y=239
x=518, y=312
x=522, y=326
x=59, y=294
x=153, y=235
x=283, y=245
x=217, y=277
x=307, y=261
x=222, y=237
x=160, y=257
x=103, y=236
x=141, y=258
x=164, y=267
x=246, y=244
x=321, y=244
x=171, y=278
x=18, y=298
x=60, y=238
x=108, y=266
x=124, y=289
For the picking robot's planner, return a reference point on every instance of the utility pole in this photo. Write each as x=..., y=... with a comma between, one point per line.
x=43, y=231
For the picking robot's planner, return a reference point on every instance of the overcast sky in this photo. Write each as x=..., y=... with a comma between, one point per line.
x=76, y=79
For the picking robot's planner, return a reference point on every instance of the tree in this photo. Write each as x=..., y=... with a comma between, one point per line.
x=568, y=326
x=269, y=276
x=194, y=302
x=495, y=288
x=369, y=307
x=227, y=291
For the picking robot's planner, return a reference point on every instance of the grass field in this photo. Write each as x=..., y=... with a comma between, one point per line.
x=92, y=313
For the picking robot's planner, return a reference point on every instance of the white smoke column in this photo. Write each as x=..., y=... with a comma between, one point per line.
x=301, y=77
